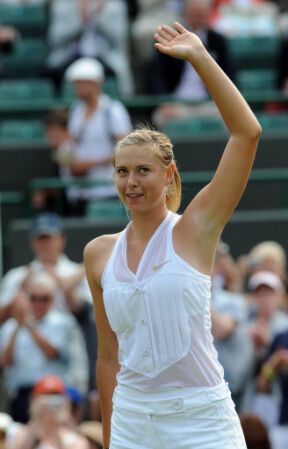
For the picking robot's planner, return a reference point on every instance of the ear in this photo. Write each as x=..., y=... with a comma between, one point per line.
x=170, y=172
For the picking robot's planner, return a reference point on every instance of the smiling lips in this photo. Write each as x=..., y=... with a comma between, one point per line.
x=134, y=195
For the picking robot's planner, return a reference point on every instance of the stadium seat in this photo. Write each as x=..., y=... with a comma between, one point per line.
x=106, y=209
x=273, y=122
x=30, y=20
x=27, y=59
x=255, y=80
x=14, y=131
x=254, y=51
x=180, y=128
x=27, y=89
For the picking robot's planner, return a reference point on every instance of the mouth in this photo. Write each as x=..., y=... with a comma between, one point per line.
x=134, y=195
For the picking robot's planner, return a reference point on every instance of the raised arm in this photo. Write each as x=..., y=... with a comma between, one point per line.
x=107, y=356
x=210, y=210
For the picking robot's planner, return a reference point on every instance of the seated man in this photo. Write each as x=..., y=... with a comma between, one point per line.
x=72, y=293
x=37, y=341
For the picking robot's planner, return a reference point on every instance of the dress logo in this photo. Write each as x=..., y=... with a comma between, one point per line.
x=156, y=267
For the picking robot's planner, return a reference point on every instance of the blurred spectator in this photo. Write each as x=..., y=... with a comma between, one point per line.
x=275, y=367
x=48, y=242
x=245, y=17
x=255, y=432
x=92, y=430
x=63, y=148
x=96, y=121
x=266, y=318
x=265, y=256
x=229, y=319
x=151, y=13
x=72, y=293
x=104, y=36
x=177, y=77
x=38, y=341
x=90, y=28
x=49, y=419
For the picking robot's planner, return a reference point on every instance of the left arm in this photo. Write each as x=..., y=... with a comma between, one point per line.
x=207, y=214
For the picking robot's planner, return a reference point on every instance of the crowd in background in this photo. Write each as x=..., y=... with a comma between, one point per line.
x=48, y=341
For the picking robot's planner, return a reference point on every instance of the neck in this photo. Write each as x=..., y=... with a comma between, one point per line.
x=143, y=225
x=49, y=261
x=91, y=103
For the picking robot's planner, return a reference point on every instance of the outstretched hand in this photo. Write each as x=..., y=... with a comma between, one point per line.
x=177, y=41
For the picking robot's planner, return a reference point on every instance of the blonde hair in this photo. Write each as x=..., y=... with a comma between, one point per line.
x=42, y=280
x=162, y=146
x=269, y=250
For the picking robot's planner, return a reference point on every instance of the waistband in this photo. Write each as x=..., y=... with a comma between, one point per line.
x=167, y=402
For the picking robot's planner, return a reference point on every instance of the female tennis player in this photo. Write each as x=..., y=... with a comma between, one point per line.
x=151, y=282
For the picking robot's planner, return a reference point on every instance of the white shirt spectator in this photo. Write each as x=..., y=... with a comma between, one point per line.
x=64, y=267
x=94, y=138
x=30, y=363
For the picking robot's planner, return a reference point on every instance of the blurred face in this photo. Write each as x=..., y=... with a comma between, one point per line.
x=267, y=300
x=271, y=264
x=196, y=13
x=141, y=179
x=56, y=135
x=86, y=90
x=48, y=248
x=40, y=300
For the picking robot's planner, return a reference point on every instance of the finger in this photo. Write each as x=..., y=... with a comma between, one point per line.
x=164, y=33
x=160, y=39
x=170, y=30
x=162, y=48
x=179, y=28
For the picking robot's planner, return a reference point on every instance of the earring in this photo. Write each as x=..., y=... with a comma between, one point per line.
x=171, y=189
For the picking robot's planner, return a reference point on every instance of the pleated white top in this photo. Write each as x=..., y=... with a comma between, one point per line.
x=161, y=316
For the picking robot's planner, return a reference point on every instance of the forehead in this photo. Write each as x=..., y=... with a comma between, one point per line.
x=40, y=289
x=135, y=155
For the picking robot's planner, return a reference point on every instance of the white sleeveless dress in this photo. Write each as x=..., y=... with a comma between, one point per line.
x=169, y=366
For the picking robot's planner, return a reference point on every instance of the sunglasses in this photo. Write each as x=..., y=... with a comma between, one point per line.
x=40, y=298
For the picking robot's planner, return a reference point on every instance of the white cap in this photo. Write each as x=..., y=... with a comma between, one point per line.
x=267, y=278
x=5, y=421
x=85, y=69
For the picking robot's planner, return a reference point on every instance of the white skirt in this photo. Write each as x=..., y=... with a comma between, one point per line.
x=198, y=418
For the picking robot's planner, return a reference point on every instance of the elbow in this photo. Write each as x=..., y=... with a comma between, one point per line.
x=257, y=131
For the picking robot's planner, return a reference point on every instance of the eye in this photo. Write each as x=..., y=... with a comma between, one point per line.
x=143, y=170
x=121, y=171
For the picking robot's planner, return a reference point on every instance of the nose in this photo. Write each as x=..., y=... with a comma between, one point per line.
x=132, y=180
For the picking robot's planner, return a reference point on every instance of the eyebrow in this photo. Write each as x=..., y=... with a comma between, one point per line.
x=137, y=166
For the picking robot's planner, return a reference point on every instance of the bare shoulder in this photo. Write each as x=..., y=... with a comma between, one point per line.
x=97, y=252
x=100, y=245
